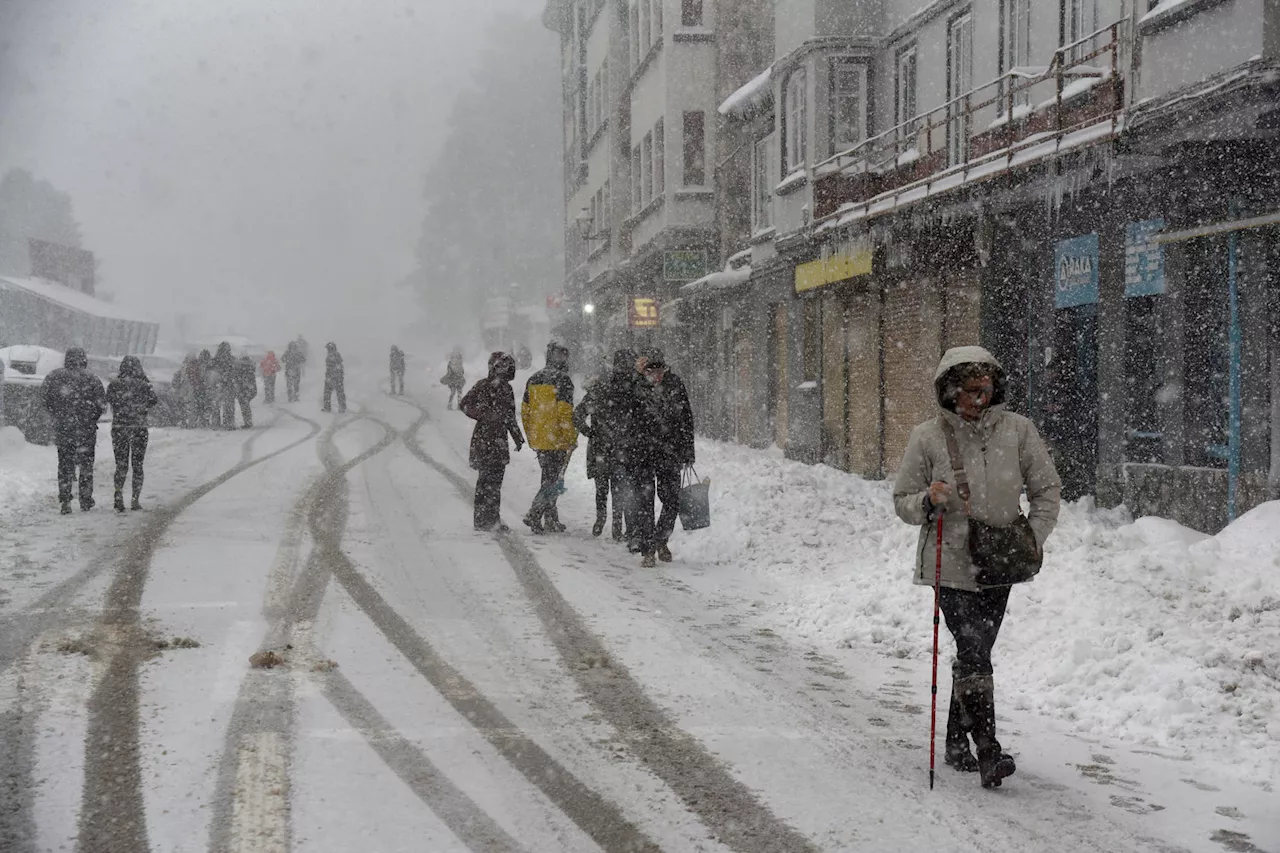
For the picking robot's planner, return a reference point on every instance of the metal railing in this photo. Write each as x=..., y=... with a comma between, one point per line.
x=998, y=120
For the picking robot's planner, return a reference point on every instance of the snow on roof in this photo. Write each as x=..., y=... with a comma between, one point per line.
x=723, y=280
x=1162, y=9
x=54, y=292
x=755, y=95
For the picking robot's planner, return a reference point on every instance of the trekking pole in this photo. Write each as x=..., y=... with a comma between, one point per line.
x=937, y=606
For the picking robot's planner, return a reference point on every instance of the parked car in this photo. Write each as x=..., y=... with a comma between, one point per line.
x=25, y=368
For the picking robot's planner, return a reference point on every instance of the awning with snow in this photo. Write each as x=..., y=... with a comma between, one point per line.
x=716, y=281
x=752, y=99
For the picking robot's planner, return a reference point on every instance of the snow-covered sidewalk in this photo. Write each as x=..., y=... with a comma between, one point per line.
x=1143, y=630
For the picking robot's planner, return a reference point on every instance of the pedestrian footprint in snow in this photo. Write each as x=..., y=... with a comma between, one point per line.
x=75, y=399
x=491, y=403
x=961, y=481
x=131, y=398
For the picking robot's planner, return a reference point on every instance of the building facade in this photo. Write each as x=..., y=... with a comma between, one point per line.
x=1086, y=187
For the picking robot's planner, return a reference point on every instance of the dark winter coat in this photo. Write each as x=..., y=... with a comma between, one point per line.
x=246, y=379
x=397, y=360
x=293, y=358
x=131, y=396
x=222, y=377
x=74, y=397
x=491, y=403
x=333, y=369
x=668, y=421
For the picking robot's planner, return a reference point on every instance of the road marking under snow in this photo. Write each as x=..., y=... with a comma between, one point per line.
x=260, y=812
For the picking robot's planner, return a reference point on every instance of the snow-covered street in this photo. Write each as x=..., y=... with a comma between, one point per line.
x=434, y=688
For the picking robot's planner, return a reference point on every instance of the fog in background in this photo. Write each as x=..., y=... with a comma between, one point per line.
x=257, y=165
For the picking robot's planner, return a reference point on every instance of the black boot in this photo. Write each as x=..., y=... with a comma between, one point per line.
x=958, y=753
x=977, y=693
x=119, y=501
x=617, y=528
x=598, y=527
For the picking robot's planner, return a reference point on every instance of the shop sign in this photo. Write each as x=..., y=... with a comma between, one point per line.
x=643, y=312
x=684, y=265
x=839, y=262
x=1076, y=271
x=1143, y=259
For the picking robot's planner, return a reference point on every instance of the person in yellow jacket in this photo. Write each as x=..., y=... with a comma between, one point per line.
x=547, y=413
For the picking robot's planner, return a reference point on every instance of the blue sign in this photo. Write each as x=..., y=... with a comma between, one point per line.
x=1143, y=259
x=1076, y=271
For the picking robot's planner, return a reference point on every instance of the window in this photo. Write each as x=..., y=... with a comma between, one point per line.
x=904, y=101
x=604, y=91
x=695, y=155
x=1080, y=20
x=635, y=36
x=959, y=82
x=656, y=15
x=659, y=158
x=797, y=121
x=848, y=113
x=608, y=203
x=691, y=13
x=1015, y=43
x=762, y=183
x=1144, y=378
x=646, y=168
x=642, y=34
x=591, y=107
x=635, y=179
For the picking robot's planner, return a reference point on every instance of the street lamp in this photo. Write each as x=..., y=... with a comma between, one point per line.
x=588, y=308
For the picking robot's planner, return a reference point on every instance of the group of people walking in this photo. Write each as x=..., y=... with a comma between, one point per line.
x=211, y=386
x=639, y=426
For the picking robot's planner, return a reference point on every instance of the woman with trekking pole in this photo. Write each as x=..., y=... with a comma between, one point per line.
x=961, y=482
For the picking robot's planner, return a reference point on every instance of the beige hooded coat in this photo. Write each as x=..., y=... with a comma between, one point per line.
x=1002, y=453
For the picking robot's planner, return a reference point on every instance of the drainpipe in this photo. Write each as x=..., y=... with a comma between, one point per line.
x=1235, y=414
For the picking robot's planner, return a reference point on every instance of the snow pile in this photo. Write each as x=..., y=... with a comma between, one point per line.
x=25, y=469
x=1145, y=630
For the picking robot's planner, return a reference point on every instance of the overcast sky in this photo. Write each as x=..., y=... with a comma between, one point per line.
x=257, y=163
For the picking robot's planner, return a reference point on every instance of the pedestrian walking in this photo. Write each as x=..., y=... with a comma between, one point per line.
x=131, y=398
x=667, y=433
x=205, y=408
x=75, y=399
x=224, y=385
x=246, y=388
x=184, y=391
x=269, y=367
x=304, y=350
x=334, y=379
x=397, y=371
x=547, y=413
x=293, y=361
x=455, y=377
x=971, y=463
x=491, y=403
x=605, y=417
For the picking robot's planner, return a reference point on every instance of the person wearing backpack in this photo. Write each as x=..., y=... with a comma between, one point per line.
x=969, y=466
x=131, y=398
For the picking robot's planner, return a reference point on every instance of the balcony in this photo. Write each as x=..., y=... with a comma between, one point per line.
x=1026, y=115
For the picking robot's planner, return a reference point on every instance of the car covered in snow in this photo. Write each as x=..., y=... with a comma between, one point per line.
x=25, y=368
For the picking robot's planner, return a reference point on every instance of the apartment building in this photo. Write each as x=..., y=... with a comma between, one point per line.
x=1087, y=187
x=639, y=81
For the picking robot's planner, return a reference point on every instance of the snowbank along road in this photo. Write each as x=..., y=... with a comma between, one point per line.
x=415, y=685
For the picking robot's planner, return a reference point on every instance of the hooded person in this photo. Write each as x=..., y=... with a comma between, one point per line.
x=131, y=398
x=212, y=413
x=605, y=416
x=666, y=433
x=397, y=371
x=75, y=400
x=491, y=403
x=334, y=379
x=1000, y=453
x=246, y=382
x=455, y=377
x=269, y=366
x=293, y=361
x=224, y=385
x=547, y=413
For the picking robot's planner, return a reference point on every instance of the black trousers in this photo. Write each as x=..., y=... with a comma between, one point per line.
x=330, y=387
x=130, y=447
x=974, y=620
x=606, y=483
x=76, y=452
x=644, y=482
x=397, y=382
x=292, y=378
x=544, y=502
x=488, y=502
x=269, y=388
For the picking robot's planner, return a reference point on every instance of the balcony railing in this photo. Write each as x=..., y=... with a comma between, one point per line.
x=1023, y=115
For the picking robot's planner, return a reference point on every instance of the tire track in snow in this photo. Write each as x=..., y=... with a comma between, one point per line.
x=112, y=812
x=704, y=783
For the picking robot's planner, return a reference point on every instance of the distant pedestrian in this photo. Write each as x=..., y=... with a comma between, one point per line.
x=334, y=379
x=455, y=377
x=131, y=398
x=491, y=403
x=270, y=366
x=304, y=349
x=246, y=385
x=75, y=399
x=293, y=361
x=666, y=449
x=604, y=416
x=1000, y=453
x=185, y=392
x=397, y=371
x=547, y=413
x=205, y=408
x=224, y=385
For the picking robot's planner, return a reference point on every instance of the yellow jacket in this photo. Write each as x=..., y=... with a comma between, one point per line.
x=547, y=411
